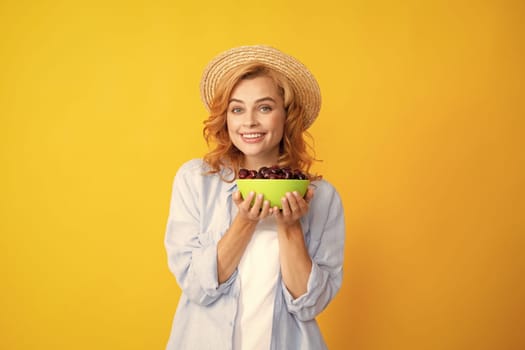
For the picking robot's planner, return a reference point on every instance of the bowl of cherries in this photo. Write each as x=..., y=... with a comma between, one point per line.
x=273, y=182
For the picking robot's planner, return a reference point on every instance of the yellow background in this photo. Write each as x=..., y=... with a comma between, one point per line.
x=421, y=131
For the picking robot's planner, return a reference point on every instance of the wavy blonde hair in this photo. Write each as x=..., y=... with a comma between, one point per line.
x=294, y=151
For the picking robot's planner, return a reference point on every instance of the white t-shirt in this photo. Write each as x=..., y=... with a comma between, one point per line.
x=258, y=271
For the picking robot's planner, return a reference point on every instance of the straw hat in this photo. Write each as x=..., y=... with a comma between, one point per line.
x=302, y=81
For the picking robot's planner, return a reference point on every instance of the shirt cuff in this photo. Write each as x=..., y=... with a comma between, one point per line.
x=205, y=265
x=313, y=290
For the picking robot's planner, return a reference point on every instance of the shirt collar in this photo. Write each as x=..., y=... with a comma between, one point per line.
x=230, y=187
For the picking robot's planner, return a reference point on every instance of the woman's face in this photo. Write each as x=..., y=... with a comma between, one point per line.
x=255, y=120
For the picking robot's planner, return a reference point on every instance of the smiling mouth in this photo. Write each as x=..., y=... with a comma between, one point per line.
x=253, y=136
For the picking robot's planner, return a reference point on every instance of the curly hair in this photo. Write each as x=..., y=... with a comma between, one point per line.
x=294, y=151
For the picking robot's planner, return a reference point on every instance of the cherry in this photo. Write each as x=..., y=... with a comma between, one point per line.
x=273, y=172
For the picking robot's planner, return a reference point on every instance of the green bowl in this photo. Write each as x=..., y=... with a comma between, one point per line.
x=272, y=189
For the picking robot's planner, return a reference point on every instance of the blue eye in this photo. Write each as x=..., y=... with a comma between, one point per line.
x=265, y=109
x=236, y=110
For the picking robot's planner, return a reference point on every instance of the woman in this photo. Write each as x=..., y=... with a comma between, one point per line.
x=252, y=276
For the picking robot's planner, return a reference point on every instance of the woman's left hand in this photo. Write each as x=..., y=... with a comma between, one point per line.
x=293, y=207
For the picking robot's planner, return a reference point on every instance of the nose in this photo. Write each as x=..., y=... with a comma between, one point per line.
x=250, y=119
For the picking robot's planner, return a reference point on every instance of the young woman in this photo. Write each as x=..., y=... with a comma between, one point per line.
x=252, y=276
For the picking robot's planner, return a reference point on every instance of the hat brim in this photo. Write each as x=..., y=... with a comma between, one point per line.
x=305, y=85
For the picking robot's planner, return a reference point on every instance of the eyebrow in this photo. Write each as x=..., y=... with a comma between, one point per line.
x=268, y=98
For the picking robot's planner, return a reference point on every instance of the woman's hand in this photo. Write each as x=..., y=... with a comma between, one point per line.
x=232, y=245
x=296, y=264
x=293, y=208
x=259, y=210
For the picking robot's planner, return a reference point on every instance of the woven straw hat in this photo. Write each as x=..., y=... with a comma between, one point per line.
x=301, y=80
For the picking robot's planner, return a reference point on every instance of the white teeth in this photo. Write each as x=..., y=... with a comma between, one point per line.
x=252, y=136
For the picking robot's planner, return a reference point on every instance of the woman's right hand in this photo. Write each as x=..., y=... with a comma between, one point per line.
x=259, y=210
x=232, y=245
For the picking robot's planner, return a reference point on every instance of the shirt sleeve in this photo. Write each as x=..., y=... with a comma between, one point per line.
x=192, y=255
x=326, y=230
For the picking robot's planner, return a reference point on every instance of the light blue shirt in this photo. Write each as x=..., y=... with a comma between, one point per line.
x=200, y=213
